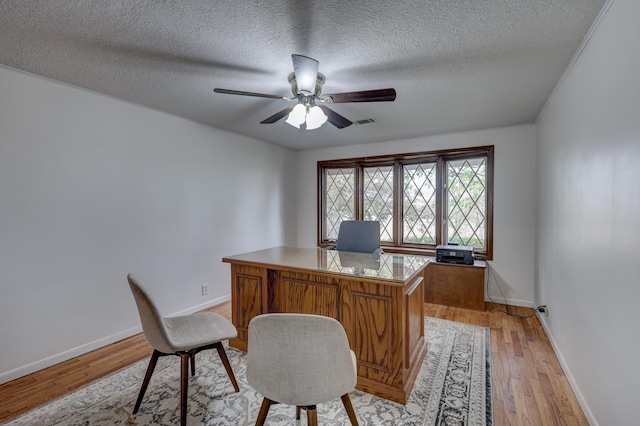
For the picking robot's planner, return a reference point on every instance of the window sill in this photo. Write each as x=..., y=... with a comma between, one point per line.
x=409, y=250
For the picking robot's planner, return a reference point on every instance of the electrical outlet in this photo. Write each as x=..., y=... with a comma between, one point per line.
x=205, y=289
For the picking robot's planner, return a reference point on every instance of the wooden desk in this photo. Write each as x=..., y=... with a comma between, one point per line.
x=456, y=285
x=377, y=298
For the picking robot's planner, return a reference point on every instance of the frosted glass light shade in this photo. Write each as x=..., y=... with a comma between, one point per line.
x=315, y=118
x=297, y=115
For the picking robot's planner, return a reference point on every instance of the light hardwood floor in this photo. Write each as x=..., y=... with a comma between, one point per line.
x=529, y=386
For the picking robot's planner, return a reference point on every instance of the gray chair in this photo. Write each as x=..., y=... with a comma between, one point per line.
x=301, y=360
x=183, y=336
x=361, y=236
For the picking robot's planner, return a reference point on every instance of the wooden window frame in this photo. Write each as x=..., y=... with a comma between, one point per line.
x=398, y=161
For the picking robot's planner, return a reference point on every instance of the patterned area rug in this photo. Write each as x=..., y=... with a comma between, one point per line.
x=452, y=388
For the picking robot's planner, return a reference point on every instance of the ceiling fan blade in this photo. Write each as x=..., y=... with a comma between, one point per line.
x=334, y=118
x=258, y=95
x=381, y=95
x=306, y=70
x=277, y=116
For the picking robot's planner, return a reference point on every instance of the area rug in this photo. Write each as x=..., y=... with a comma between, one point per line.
x=453, y=387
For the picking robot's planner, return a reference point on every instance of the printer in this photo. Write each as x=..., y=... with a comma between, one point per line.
x=452, y=253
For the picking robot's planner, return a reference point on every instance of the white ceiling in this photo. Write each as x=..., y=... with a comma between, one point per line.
x=455, y=64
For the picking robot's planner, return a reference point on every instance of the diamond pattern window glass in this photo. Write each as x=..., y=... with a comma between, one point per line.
x=419, y=203
x=378, y=198
x=467, y=202
x=339, y=199
x=421, y=199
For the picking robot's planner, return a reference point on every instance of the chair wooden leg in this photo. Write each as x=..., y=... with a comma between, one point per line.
x=264, y=410
x=147, y=377
x=192, y=361
x=312, y=416
x=227, y=365
x=184, y=387
x=349, y=407
x=298, y=409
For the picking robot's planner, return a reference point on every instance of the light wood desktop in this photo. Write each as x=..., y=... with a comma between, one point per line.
x=377, y=298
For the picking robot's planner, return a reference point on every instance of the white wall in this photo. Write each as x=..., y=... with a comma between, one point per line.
x=92, y=188
x=512, y=270
x=589, y=218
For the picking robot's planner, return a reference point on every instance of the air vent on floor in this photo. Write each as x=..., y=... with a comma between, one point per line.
x=365, y=121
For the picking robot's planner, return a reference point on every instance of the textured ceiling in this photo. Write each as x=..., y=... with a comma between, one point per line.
x=455, y=64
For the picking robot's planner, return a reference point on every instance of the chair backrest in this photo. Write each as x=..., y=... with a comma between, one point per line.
x=299, y=359
x=361, y=236
x=152, y=322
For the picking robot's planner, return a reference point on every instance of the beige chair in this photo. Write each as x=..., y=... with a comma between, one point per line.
x=183, y=336
x=300, y=360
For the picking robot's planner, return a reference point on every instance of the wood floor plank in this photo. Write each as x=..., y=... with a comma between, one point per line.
x=528, y=384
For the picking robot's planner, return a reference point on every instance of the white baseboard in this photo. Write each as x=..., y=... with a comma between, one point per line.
x=32, y=367
x=567, y=372
x=512, y=302
x=202, y=306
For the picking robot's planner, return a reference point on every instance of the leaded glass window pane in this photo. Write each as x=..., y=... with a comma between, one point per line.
x=378, y=199
x=340, y=199
x=419, y=203
x=467, y=202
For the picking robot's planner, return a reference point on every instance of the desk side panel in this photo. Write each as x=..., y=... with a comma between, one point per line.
x=248, y=299
x=414, y=320
x=415, y=347
x=373, y=321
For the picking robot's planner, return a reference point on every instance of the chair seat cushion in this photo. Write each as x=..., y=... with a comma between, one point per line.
x=199, y=329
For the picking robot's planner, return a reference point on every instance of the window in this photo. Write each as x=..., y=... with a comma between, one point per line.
x=419, y=203
x=339, y=202
x=378, y=198
x=421, y=200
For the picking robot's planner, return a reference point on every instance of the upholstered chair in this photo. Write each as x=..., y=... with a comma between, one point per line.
x=361, y=236
x=183, y=336
x=301, y=360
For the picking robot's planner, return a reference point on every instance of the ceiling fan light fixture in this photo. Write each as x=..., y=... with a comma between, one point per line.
x=306, y=85
x=297, y=116
x=311, y=115
x=315, y=117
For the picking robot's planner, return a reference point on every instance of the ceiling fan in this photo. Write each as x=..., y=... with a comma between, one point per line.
x=306, y=85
